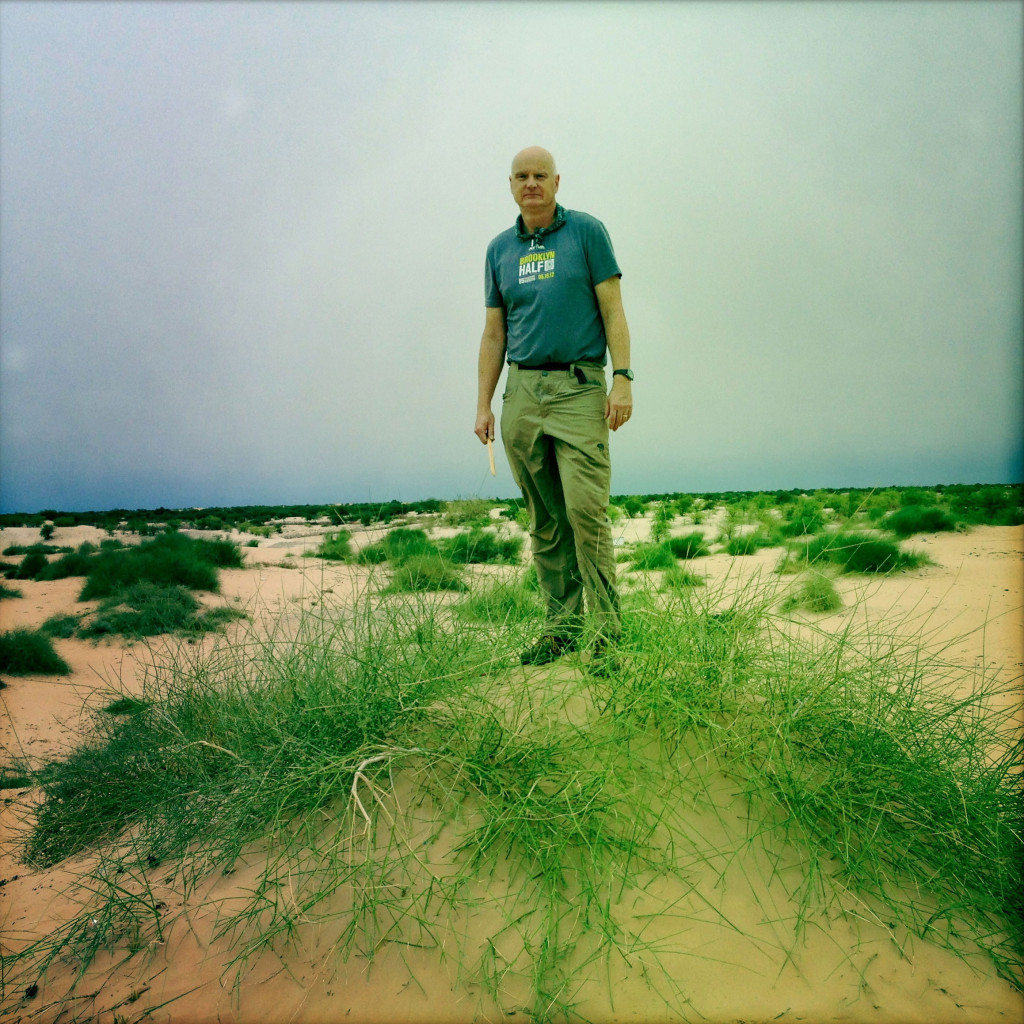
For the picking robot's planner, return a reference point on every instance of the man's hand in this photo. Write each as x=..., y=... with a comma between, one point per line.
x=618, y=406
x=484, y=428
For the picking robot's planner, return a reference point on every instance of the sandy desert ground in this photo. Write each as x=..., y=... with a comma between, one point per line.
x=970, y=602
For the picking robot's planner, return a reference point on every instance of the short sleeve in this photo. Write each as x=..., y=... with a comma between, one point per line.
x=492, y=293
x=600, y=254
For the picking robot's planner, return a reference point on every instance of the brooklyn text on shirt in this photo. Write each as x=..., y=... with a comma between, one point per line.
x=536, y=266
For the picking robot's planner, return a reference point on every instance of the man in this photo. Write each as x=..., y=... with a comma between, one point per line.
x=554, y=311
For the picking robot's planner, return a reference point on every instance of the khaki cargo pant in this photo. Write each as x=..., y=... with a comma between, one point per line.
x=556, y=439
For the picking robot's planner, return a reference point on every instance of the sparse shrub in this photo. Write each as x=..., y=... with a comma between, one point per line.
x=803, y=518
x=993, y=505
x=676, y=577
x=76, y=563
x=633, y=506
x=31, y=566
x=6, y=591
x=918, y=519
x=466, y=512
x=335, y=547
x=747, y=543
x=25, y=549
x=482, y=546
x=26, y=652
x=126, y=706
x=46, y=531
x=859, y=552
x=661, y=522
x=503, y=602
x=171, y=559
x=148, y=609
x=648, y=556
x=61, y=627
x=689, y=545
x=425, y=572
x=816, y=593
x=396, y=546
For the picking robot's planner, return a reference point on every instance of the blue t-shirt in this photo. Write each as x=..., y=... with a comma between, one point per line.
x=545, y=283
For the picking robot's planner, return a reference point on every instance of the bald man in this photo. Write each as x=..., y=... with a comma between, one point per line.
x=554, y=314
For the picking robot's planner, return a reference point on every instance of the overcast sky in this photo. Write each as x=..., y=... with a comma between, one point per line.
x=243, y=243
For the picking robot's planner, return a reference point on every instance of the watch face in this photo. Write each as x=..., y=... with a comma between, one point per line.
x=628, y=374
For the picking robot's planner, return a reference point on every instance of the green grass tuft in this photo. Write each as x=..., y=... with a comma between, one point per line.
x=26, y=652
x=748, y=543
x=689, y=545
x=676, y=576
x=396, y=546
x=503, y=602
x=335, y=547
x=815, y=593
x=856, y=552
x=483, y=546
x=424, y=572
x=171, y=559
x=648, y=556
x=148, y=609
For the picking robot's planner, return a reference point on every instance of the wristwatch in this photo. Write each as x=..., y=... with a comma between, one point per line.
x=628, y=374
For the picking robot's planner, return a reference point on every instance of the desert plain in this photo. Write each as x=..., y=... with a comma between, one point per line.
x=745, y=956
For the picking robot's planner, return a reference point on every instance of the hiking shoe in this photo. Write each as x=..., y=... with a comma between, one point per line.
x=604, y=659
x=547, y=649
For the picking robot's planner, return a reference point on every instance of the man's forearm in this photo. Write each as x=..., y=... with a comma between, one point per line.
x=492, y=359
x=617, y=332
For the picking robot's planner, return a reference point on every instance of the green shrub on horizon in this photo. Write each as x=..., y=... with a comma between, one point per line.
x=26, y=652
x=913, y=519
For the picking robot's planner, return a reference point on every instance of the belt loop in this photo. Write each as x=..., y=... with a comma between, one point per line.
x=578, y=373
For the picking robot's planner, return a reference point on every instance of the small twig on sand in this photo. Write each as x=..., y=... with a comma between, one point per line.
x=365, y=764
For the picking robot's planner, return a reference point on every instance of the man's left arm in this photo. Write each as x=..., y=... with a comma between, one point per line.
x=618, y=406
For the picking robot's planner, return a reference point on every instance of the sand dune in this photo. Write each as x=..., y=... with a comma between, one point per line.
x=729, y=959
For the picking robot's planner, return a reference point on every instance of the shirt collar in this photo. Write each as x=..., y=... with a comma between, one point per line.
x=539, y=233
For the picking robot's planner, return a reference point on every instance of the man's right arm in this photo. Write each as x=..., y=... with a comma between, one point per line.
x=492, y=358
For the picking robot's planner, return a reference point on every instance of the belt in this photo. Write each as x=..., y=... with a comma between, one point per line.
x=544, y=366
x=577, y=370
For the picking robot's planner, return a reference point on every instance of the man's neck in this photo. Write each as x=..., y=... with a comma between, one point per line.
x=540, y=219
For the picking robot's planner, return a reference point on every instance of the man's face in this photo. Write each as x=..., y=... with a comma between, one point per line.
x=534, y=183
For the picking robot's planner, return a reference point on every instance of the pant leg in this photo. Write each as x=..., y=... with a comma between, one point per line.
x=577, y=425
x=532, y=458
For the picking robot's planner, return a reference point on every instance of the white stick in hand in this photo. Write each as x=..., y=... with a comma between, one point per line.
x=490, y=455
